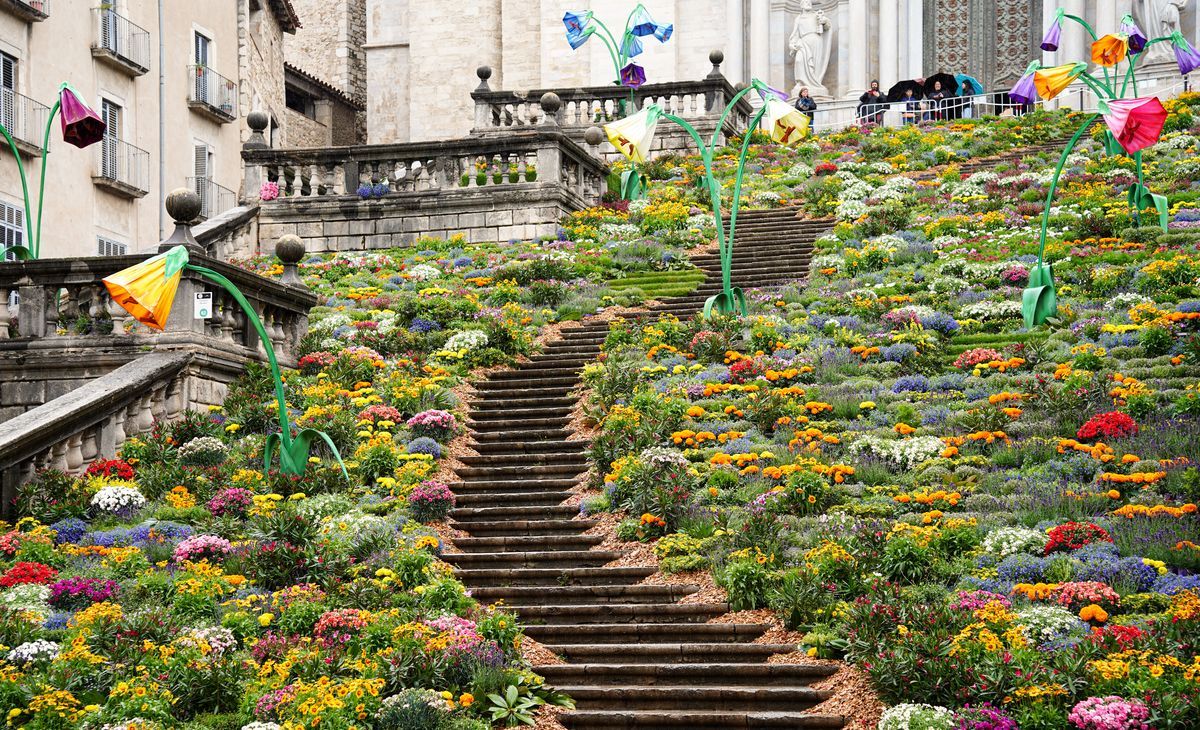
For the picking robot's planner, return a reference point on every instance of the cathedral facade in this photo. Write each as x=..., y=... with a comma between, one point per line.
x=422, y=54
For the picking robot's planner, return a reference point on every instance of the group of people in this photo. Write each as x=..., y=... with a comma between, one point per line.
x=937, y=103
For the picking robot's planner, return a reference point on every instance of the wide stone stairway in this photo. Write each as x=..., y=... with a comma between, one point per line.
x=635, y=656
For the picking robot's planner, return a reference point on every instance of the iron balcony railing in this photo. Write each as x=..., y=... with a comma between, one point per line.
x=213, y=92
x=122, y=38
x=214, y=198
x=120, y=162
x=24, y=118
x=35, y=10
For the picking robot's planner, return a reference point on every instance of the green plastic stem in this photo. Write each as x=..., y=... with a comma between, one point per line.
x=33, y=236
x=37, y=242
x=12, y=145
x=1062, y=162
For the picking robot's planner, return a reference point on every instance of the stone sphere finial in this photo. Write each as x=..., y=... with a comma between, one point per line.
x=289, y=248
x=716, y=57
x=739, y=86
x=183, y=205
x=257, y=120
x=484, y=73
x=551, y=102
x=593, y=135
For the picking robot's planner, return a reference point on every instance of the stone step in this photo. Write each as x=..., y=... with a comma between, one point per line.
x=648, y=675
x=522, y=435
x=497, y=499
x=647, y=633
x=572, y=349
x=529, y=379
x=673, y=653
x=693, y=720
x=560, y=471
x=566, y=596
x=712, y=698
x=527, y=543
x=503, y=426
x=548, y=446
x=606, y=613
x=528, y=401
x=551, y=576
x=577, y=458
x=527, y=370
x=488, y=485
x=471, y=515
x=541, y=559
x=517, y=528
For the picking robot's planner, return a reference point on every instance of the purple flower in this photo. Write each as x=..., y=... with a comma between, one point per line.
x=1053, y=33
x=1137, y=39
x=1185, y=55
x=633, y=76
x=1024, y=91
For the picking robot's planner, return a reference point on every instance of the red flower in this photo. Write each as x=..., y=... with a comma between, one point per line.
x=1113, y=424
x=111, y=468
x=36, y=573
x=1074, y=535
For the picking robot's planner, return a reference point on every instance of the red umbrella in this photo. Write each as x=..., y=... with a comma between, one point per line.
x=81, y=126
x=1136, y=123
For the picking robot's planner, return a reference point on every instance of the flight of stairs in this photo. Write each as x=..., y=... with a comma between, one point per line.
x=636, y=657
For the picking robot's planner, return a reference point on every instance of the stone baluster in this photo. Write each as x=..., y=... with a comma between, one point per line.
x=228, y=319
x=74, y=452
x=158, y=401
x=91, y=446
x=176, y=403
x=58, y=457
x=4, y=314
x=145, y=414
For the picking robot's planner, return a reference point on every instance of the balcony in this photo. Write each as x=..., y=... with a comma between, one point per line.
x=32, y=11
x=212, y=95
x=214, y=199
x=121, y=168
x=120, y=43
x=25, y=119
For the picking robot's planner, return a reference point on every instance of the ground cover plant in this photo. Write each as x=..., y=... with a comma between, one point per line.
x=997, y=521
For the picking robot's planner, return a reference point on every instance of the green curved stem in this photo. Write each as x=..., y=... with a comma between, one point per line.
x=37, y=242
x=728, y=108
x=1062, y=161
x=1100, y=89
x=12, y=145
x=613, y=49
x=1082, y=22
x=727, y=260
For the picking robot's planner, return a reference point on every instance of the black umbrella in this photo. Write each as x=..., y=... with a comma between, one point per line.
x=896, y=93
x=949, y=84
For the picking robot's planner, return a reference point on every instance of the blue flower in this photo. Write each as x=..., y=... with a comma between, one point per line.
x=69, y=530
x=579, y=27
x=911, y=384
x=425, y=445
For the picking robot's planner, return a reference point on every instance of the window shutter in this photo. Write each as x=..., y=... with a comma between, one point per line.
x=109, y=247
x=203, y=174
x=12, y=228
x=8, y=71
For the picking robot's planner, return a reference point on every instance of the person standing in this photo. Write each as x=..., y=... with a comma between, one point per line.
x=871, y=105
x=805, y=104
x=963, y=107
x=912, y=107
x=937, y=100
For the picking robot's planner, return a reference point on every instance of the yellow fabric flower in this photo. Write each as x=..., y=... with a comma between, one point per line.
x=147, y=290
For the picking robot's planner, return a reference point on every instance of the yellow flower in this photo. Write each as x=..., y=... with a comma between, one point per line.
x=147, y=290
x=633, y=135
x=266, y=619
x=467, y=699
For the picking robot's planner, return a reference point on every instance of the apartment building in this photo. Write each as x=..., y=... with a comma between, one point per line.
x=173, y=80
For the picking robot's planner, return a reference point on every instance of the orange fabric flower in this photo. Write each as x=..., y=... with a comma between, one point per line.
x=1110, y=50
x=1051, y=82
x=147, y=290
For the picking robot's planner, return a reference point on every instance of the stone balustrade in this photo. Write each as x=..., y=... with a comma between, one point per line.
x=701, y=103
x=70, y=432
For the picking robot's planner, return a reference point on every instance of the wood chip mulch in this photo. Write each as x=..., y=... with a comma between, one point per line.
x=537, y=654
x=854, y=699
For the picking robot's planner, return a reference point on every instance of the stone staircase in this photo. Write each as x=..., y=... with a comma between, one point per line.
x=635, y=656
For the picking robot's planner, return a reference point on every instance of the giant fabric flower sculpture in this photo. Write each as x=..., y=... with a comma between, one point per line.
x=579, y=28
x=784, y=123
x=633, y=135
x=147, y=290
x=641, y=24
x=1136, y=123
x=633, y=76
x=1024, y=92
x=1137, y=39
x=81, y=126
x=1050, y=82
x=1110, y=50
x=1185, y=55
x=1053, y=34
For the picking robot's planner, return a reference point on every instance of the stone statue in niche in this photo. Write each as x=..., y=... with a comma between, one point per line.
x=1159, y=18
x=810, y=43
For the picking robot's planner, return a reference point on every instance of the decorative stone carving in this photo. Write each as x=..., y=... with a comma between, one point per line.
x=1159, y=18
x=810, y=44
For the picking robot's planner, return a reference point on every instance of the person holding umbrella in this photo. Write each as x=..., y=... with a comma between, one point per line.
x=871, y=105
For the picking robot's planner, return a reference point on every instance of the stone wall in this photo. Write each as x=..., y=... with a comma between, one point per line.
x=330, y=45
x=260, y=57
x=305, y=132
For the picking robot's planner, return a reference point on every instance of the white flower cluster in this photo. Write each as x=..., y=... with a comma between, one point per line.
x=261, y=726
x=849, y=210
x=638, y=207
x=703, y=221
x=467, y=340
x=857, y=190
x=827, y=261
x=976, y=271
x=1042, y=624
x=217, y=639
x=895, y=188
x=910, y=716
x=330, y=322
x=947, y=284
x=424, y=272
x=205, y=448
x=767, y=199
x=944, y=242
x=991, y=311
x=800, y=170
x=905, y=453
x=1179, y=141
x=982, y=178
x=885, y=168
x=27, y=597
x=116, y=499
x=353, y=527
x=1007, y=541
x=1126, y=300
x=33, y=651
x=619, y=231
x=134, y=723
x=890, y=241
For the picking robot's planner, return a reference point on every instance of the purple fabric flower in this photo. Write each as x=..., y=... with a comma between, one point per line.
x=1137, y=39
x=633, y=76
x=1185, y=54
x=1053, y=33
x=1024, y=91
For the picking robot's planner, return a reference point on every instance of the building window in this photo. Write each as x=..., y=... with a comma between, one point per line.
x=202, y=44
x=109, y=247
x=12, y=229
x=8, y=86
x=110, y=164
x=298, y=101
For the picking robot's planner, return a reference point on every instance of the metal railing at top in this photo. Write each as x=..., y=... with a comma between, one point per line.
x=23, y=117
x=214, y=198
x=121, y=37
x=213, y=91
x=122, y=162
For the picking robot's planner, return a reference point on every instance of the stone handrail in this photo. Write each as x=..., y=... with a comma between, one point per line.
x=91, y=421
x=536, y=157
x=63, y=304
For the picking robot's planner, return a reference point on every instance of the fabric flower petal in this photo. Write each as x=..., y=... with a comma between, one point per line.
x=1109, y=50
x=81, y=125
x=1050, y=82
x=784, y=123
x=1135, y=123
x=633, y=135
x=147, y=290
x=1053, y=34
